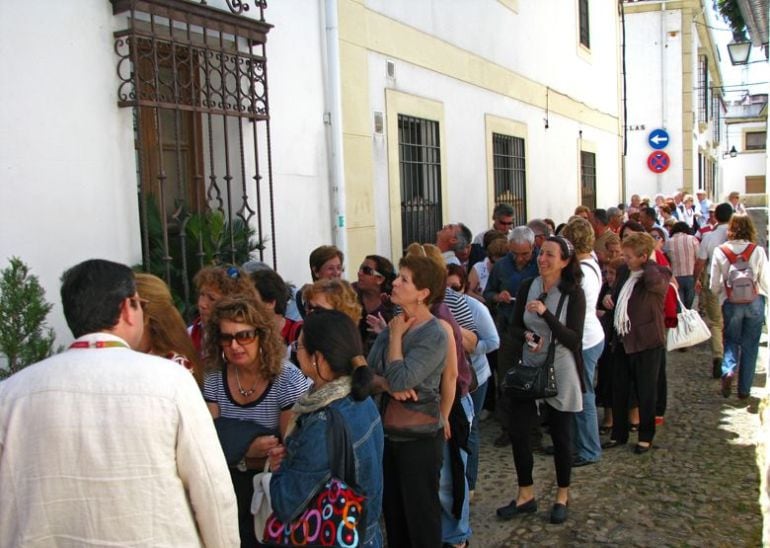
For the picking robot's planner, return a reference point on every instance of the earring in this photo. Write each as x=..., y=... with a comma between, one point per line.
x=223, y=357
x=419, y=301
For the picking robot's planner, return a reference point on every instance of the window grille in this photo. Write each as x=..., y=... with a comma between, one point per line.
x=716, y=117
x=703, y=88
x=196, y=79
x=510, y=176
x=588, y=179
x=585, y=36
x=419, y=156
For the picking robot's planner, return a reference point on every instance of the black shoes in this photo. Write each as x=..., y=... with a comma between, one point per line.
x=558, y=513
x=642, y=449
x=716, y=368
x=507, y=512
x=580, y=461
x=611, y=444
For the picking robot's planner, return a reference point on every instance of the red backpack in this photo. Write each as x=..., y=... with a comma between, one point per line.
x=740, y=283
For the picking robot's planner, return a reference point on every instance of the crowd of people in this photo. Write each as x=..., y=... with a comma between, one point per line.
x=410, y=356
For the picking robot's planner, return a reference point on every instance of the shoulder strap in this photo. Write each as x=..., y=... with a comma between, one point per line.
x=731, y=257
x=340, y=448
x=596, y=271
x=746, y=253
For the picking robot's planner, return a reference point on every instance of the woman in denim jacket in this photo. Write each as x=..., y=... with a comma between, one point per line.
x=328, y=349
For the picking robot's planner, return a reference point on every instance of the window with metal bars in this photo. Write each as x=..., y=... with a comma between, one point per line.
x=716, y=117
x=419, y=158
x=510, y=175
x=703, y=89
x=588, y=179
x=585, y=35
x=196, y=79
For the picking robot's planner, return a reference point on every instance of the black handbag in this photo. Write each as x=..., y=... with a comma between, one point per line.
x=534, y=382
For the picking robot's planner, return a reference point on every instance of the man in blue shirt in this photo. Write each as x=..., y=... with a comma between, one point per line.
x=500, y=293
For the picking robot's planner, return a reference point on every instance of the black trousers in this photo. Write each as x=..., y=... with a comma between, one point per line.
x=523, y=417
x=662, y=399
x=410, y=501
x=641, y=370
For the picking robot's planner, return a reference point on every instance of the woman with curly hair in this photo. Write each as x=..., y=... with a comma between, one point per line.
x=250, y=380
x=213, y=283
x=165, y=333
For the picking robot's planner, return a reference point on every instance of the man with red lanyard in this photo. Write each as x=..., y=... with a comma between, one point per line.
x=101, y=445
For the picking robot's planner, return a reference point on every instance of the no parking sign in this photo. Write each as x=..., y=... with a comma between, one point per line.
x=658, y=161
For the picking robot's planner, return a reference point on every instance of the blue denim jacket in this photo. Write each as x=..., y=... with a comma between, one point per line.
x=306, y=465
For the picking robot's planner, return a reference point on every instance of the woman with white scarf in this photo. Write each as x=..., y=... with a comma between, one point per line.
x=639, y=336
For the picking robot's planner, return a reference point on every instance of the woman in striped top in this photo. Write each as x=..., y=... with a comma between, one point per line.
x=250, y=380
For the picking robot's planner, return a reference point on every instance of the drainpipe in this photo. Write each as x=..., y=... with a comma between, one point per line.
x=663, y=114
x=333, y=122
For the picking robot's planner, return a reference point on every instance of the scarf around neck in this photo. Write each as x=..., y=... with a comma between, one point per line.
x=318, y=399
x=622, y=321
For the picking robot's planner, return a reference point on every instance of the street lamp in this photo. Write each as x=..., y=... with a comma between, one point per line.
x=732, y=154
x=739, y=51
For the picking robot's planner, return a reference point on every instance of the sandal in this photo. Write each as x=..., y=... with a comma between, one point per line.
x=634, y=427
x=604, y=430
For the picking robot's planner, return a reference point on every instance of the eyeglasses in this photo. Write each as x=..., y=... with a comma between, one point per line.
x=457, y=288
x=369, y=271
x=656, y=237
x=245, y=337
x=295, y=346
x=505, y=223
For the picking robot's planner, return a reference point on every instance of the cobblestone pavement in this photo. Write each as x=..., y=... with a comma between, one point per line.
x=699, y=486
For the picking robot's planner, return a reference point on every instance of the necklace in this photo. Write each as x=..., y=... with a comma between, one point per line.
x=244, y=393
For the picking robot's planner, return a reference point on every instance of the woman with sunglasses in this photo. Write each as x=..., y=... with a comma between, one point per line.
x=549, y=308
x=249, y=380
x=375, y=282
x=328, y=349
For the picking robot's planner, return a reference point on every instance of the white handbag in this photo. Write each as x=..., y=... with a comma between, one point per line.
x=261, y=505
x=690, y=329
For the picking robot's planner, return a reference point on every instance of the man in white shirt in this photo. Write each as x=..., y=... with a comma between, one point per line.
x=104, y=446
x=712, y=240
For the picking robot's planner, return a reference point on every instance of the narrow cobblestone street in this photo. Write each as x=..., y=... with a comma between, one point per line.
x=698, y=487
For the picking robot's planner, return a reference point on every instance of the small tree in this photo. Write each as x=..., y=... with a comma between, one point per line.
x=24, y=336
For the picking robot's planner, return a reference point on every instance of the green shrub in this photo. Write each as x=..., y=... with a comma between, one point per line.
x=24, y=336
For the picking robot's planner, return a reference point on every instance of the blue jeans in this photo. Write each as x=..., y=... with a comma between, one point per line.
x=686, y=289
x=472, y=469
x=587, y=443
x=455, y=531
x=743, y=328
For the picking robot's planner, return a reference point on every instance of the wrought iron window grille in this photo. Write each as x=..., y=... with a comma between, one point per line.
x=196, y=79
x=510, y=175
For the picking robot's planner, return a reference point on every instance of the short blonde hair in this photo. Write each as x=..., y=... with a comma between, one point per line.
x=580, y=232
x=340, y=295
x=640, y=243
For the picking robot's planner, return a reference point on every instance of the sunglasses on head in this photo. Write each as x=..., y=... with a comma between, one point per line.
x=245, y=337
x=369, y=271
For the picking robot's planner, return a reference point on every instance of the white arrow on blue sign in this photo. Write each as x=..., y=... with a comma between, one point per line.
x=658, y=138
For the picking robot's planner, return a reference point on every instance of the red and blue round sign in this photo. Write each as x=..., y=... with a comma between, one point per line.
x=658, y=161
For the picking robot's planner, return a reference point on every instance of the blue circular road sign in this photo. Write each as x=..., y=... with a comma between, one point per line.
x=658, y=138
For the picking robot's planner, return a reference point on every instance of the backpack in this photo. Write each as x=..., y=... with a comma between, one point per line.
x=739, y=283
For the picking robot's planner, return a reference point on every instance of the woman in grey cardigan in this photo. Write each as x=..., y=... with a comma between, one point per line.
x=411, y=355
x=548, y=308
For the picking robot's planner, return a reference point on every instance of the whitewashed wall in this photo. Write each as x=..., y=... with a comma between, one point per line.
x=67, y=172
x=654, y=84
x=751, y=163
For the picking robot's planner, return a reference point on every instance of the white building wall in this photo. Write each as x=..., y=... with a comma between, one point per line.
x=67, y=172
x=746, y=163
x=654, y=91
